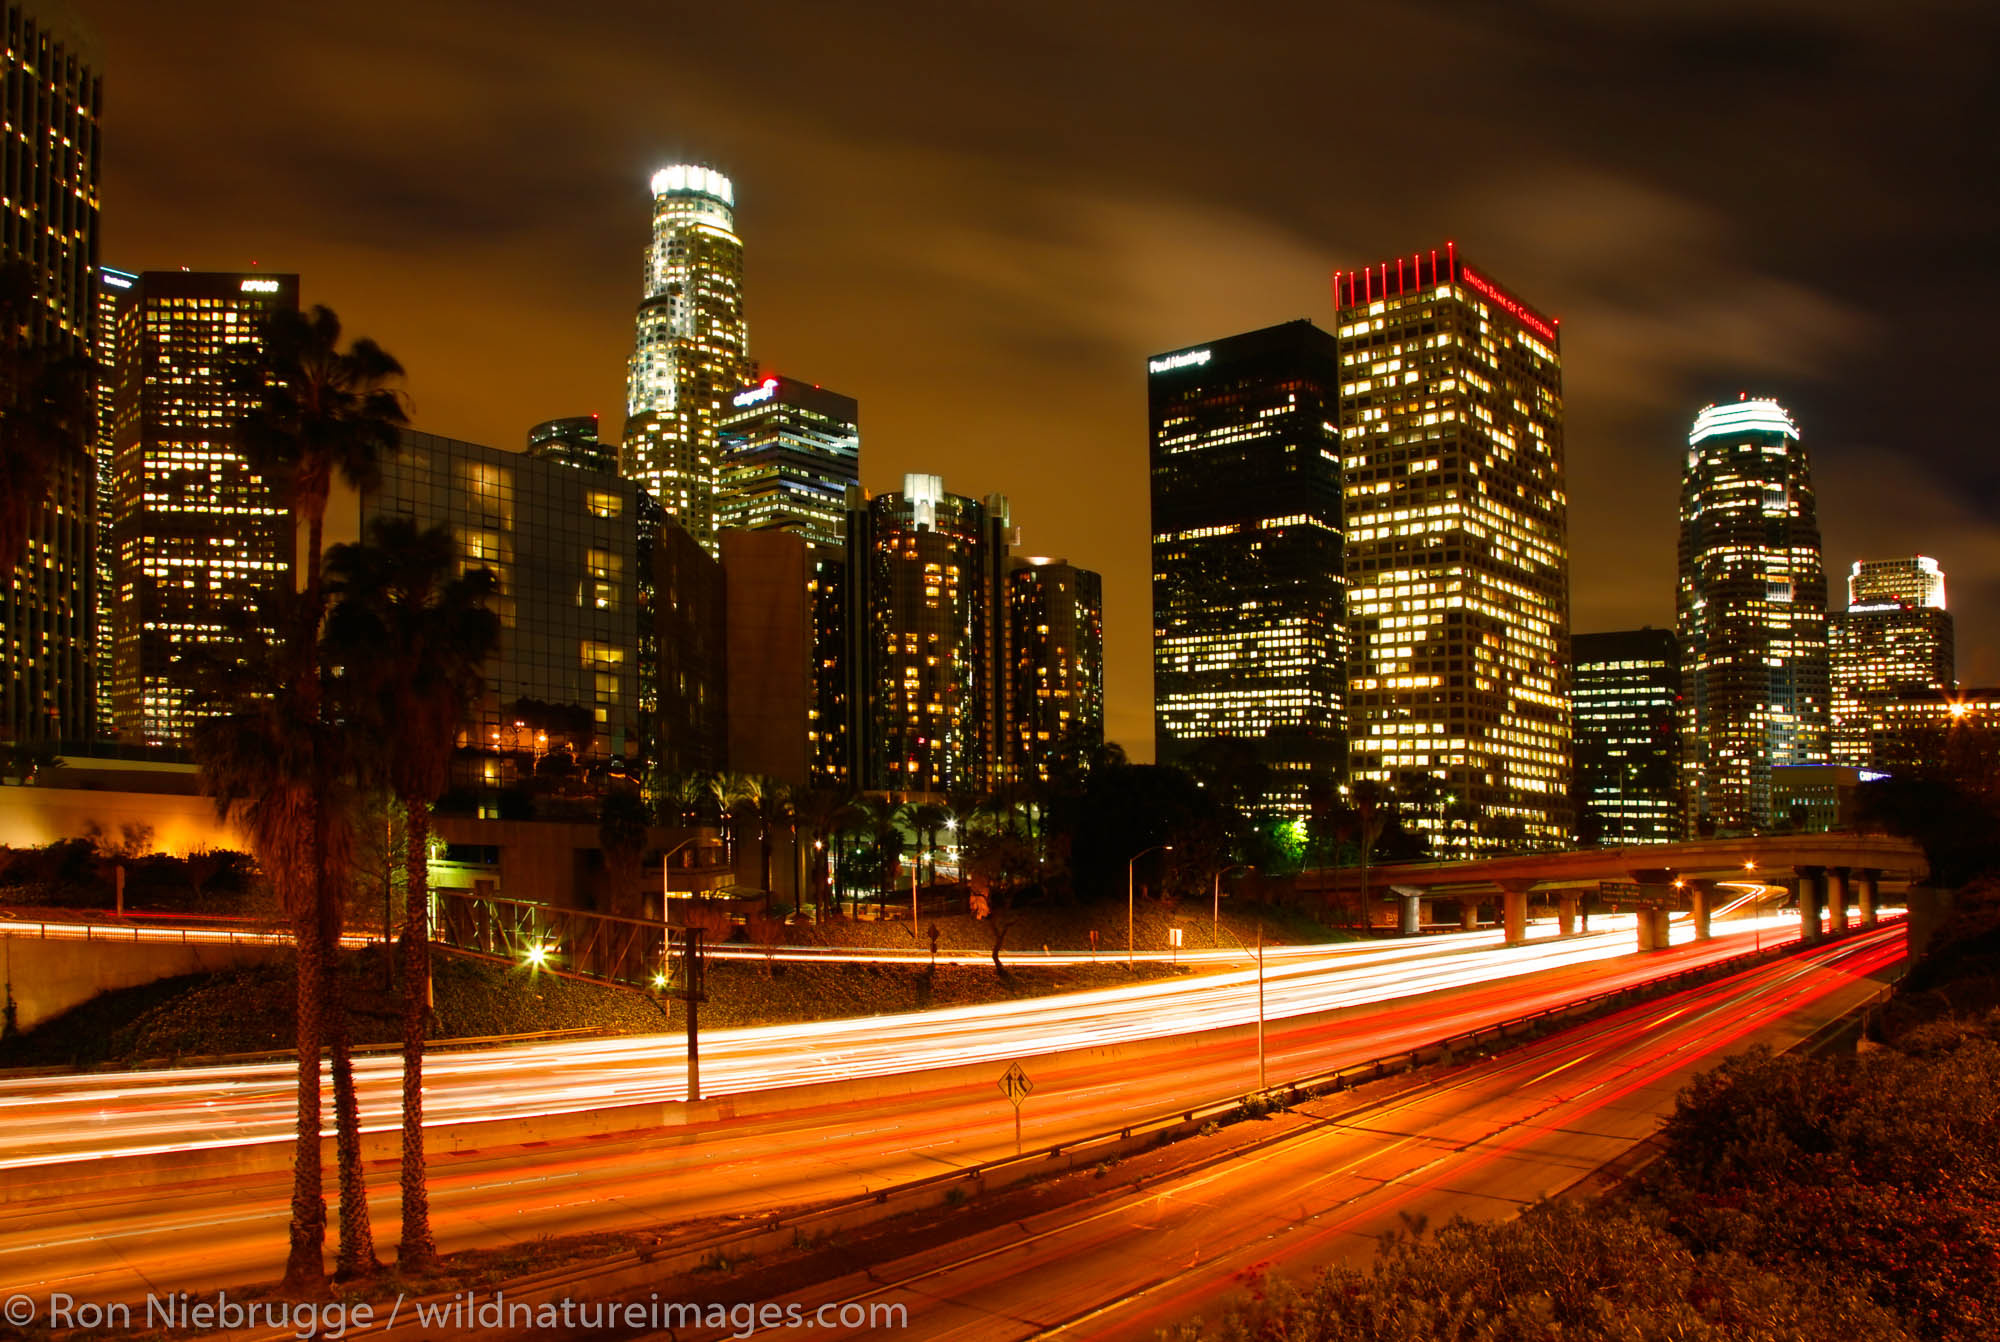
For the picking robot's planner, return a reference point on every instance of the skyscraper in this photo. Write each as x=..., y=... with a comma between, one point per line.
x=53, y=86
x=789, y=450
x=1249, y=617
x=1055, y=649
x=197, y=535
x=573, y=442
x=926, y=621
x=692, y=352
x=1752, y=613
x=1894, y=637
x=1451, y=429
x=112, y=287
x=1628, y=745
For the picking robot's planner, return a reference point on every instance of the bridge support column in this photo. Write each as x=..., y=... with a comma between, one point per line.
x=1468, y=914
x=1865, y=886
x=1836, y=899
x=1703, y=893
x=1410, y=911
x=1812, y=898
x=1653, y=930
x=1514, y=911
x=1566, y=911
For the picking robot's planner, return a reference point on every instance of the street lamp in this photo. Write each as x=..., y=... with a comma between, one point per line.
x=667, y=891
x=1131, y=959
x=1215, y=932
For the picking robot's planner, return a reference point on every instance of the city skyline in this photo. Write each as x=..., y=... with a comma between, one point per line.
x=497, y=257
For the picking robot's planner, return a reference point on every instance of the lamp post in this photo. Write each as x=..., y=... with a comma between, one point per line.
x=667, y=889
x=1215, y=930
x=1263, y=1084
x=1131, y=959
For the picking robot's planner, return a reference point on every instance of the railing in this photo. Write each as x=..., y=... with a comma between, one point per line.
x=573, y=941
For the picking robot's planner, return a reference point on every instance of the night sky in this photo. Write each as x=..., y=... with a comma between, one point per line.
x=979, y=220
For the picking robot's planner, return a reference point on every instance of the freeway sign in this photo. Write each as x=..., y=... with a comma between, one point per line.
x=1015, y=1084
x=1633, y=895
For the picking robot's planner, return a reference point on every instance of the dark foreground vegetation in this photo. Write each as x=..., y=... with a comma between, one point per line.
x=1795, y=1199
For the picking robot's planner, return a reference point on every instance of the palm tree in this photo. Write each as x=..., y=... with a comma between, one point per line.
x=321, y=410
x=817, y=810
x=413, y=641
x=44, y=412
x=927, y=818
x=264, y=759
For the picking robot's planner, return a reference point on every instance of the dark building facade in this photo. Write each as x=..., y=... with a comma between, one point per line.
x=52, y=83
x=683, y=691
x=1457, y=509
x=197, y=535
x=573, y=442
x=768, y=577
x=1752, y=614
x=1628, y=746
x=789, y=451
x=1249, y=614
x=925, y=612
x=1055, y=648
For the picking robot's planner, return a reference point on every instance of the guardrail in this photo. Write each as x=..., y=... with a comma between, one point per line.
x=48, y=930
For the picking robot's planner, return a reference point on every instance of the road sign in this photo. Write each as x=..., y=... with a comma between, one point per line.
x=1015, y=1084
x=1632, y=895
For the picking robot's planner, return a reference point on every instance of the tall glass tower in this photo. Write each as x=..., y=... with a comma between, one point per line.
x=692, y=352
x=1895, y=637
x=1752, y=613
x=1457, y=503
x=52, y=78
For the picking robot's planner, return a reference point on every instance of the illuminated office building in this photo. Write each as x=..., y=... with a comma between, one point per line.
x=926, y=592
x=1055, y=648
x=1451, y=438
x=1913, y=731
x=1249, y=619
x=1752, y=613
x=572, y=442
x=1894, y=637
x=691, y=354
x=789, y=450
x=112, y=286
x=1626, y=688
x=198, y=537
x=48, y=221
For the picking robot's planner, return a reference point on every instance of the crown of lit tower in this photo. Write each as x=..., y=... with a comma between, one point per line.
x=691, y=353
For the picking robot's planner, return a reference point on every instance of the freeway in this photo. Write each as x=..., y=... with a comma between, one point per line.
x=1481, y=1140
x=230, y=1230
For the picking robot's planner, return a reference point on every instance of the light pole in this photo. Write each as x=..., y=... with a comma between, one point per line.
x=1263, y=1084
x=1215, y=931
x=667, y=889
x=1131, y=959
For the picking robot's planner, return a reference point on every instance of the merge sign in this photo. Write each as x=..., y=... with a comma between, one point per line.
x=1015, y=1085
x=1633, y=895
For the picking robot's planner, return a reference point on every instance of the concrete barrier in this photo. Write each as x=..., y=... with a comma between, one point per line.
x=46, y=977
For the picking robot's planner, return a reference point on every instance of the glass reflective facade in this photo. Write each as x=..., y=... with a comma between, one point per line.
x=1628, y=749
x=197, y=536
x=52, y=86
x=1249, y=616
x=1752, y=614
x=1457, y=504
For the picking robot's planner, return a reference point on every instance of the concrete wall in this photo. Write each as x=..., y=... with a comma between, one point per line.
x=33, y=816
x=46, y=978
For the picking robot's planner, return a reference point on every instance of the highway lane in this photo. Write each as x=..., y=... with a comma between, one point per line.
x=53, y=1119
x=232, y=1231
x=1482, y=1140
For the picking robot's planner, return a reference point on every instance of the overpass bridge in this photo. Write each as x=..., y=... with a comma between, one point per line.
x=1834, y=873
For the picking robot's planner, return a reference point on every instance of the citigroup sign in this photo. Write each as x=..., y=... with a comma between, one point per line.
x=1192, y=358
x=763, y=391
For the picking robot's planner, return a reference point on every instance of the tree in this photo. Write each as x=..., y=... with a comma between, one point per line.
x=44, y=412
x=926, y=818
x=413, y=641
x=817, y=810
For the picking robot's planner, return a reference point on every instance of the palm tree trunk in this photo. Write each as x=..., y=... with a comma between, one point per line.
x=764, y=857
x=305, y=1267
x=418, y=1250
x=357, y=1238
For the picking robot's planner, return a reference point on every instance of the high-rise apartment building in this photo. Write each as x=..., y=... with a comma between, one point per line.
x=52, y=84
x=692, y=352
x=1055, y=652
x=1752, y=613
x=788, y=451
x=198, y=537
x=1626, y=687
x=573, y=441
x=1457, y=560
x=926, y=619
x=1894, y=637
x=1249, y=616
